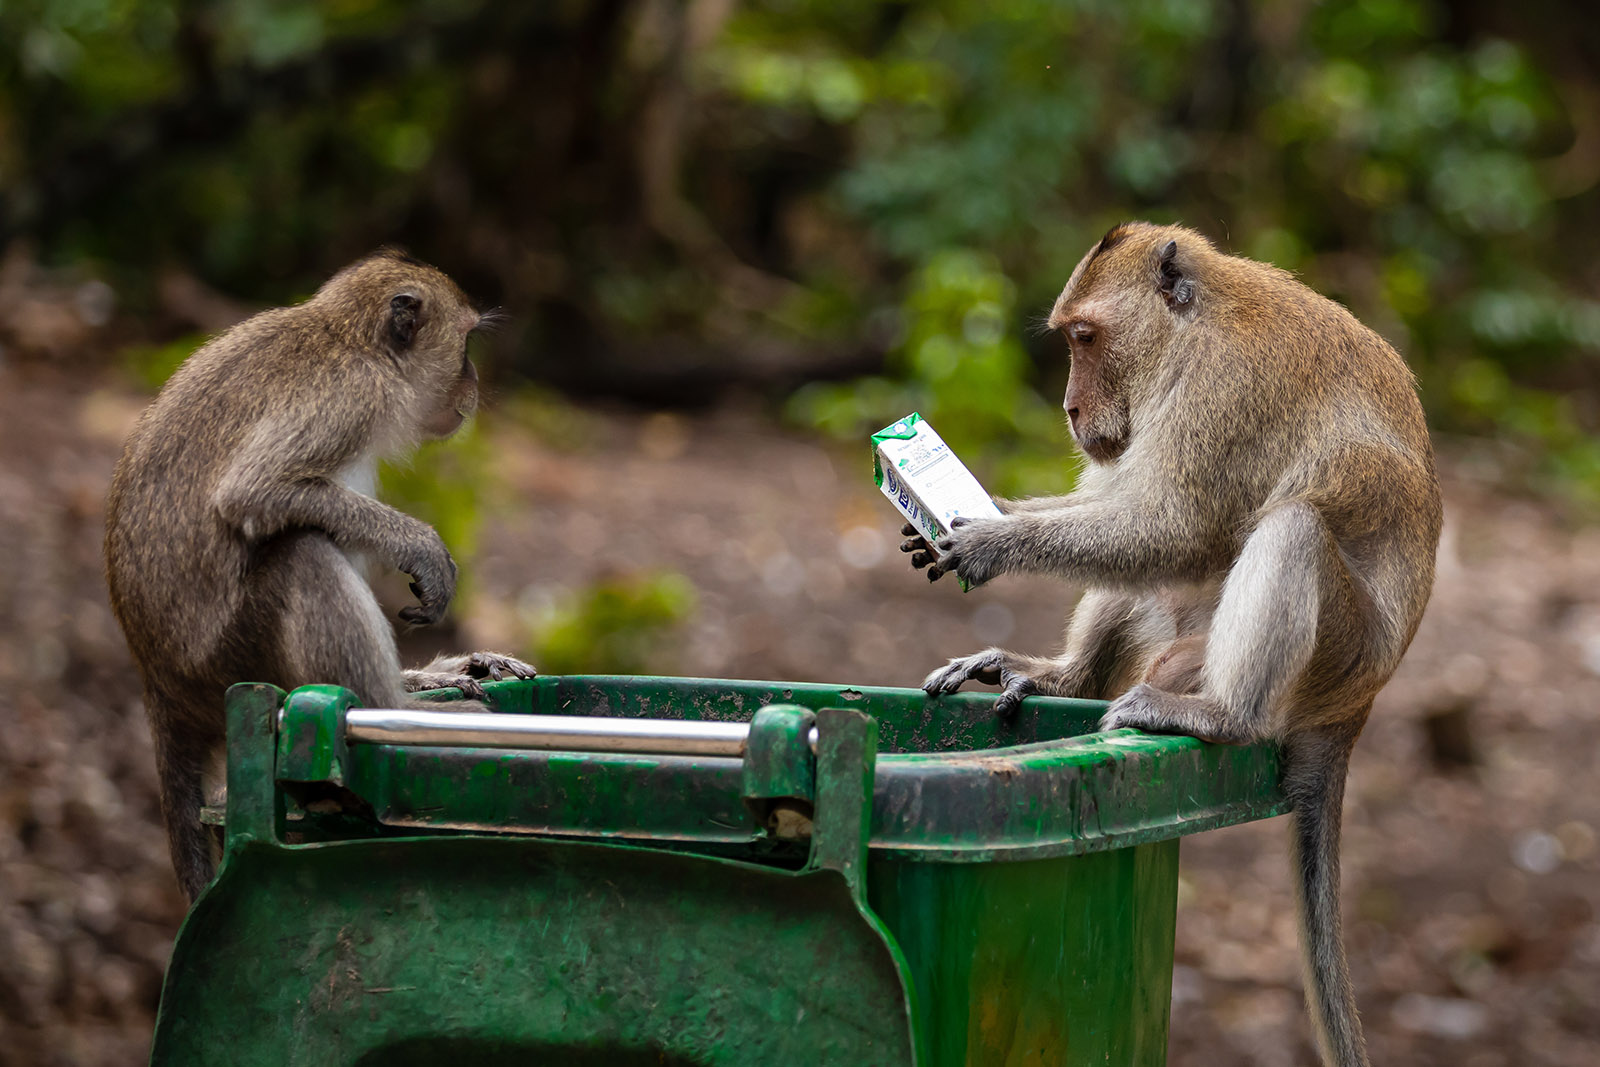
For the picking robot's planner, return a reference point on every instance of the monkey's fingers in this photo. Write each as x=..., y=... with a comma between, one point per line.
x=434, y=589
x=973, y=564
x=946, y=679
x=914, y=544
x=934, y=573
x=1017, y=687
x=921, y=560
x=497, y=666
x=949, y=558
x=423, y=614
x=984, y=666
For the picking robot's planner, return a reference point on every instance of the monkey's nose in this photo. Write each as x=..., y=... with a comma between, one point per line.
x=1072, y=414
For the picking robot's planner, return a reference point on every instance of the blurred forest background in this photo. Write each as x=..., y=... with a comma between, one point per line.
x=735, y=237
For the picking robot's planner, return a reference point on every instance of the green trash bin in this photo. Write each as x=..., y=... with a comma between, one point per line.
x=614, y=870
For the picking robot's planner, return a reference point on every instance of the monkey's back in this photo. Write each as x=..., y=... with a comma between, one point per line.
x=173, y=565
x=1359, y=452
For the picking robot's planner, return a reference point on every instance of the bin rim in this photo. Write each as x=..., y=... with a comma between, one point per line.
x=1074, y=792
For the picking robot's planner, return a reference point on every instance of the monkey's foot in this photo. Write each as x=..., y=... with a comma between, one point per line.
x=1156, y=711
x=989, y=667
x=467, y=672
x=470, y=687
x=495, y=666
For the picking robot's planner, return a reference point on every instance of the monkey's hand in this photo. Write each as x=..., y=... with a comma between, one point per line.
x=975, y=549
x=917, y=545
x=433, y=574
x=989, y=667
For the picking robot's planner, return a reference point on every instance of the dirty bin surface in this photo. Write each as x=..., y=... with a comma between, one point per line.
x=616, y=870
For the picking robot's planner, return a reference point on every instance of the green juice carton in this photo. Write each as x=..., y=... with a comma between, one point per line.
x=924, y=479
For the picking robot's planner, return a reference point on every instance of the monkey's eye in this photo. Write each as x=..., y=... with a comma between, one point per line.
x=1083, y=335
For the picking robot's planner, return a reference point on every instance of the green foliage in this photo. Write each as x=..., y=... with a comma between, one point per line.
x=95, y=82
x=1542, y=424
x=917, y=180
x=1405, y=176
x=960, y=365
x=620, y=625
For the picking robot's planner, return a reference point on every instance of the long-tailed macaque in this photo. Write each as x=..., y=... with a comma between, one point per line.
x=1256, y=525
x=240, y=517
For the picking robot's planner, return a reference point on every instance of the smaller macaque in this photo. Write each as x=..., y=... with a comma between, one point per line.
x=241, y=520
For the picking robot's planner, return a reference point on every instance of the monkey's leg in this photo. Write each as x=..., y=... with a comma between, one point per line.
x=1179, y=667
x=1095, y=642
x=466, y=672
x=332, y=628
x=1262, y=636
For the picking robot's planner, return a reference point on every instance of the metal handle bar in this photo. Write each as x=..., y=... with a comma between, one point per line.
x=564, y=733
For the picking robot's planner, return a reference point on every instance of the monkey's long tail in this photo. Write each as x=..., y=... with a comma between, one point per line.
x=180, y=764
x=1314, y=780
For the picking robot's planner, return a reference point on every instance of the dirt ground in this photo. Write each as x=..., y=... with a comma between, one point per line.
x=1471, y=897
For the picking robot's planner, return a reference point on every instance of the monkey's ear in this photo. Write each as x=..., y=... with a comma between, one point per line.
x=1174, y=287
x=405, y=315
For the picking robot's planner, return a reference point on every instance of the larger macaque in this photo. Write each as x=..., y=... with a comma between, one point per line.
x=1256, y=525
x=240, y=518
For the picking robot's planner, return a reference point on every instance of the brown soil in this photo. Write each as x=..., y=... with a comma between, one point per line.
x=1471, y=896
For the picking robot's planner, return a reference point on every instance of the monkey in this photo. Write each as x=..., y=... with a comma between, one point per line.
x=241, y=517
x=1255, y=524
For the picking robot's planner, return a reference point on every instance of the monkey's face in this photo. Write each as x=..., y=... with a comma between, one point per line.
x=412, y=319
x=426, y=329
x=1120, y=314
x=1096, y=402
x=460, y=401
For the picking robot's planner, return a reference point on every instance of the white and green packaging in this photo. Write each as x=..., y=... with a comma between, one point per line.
x=921, y=476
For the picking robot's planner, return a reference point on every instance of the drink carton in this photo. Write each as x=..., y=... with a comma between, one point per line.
x=921, y=476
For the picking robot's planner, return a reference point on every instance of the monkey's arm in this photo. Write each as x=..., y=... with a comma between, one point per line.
x=1158, y=537
x=1095, y=642
x=267, y=490
x=916, y=543
x=1028, y=505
